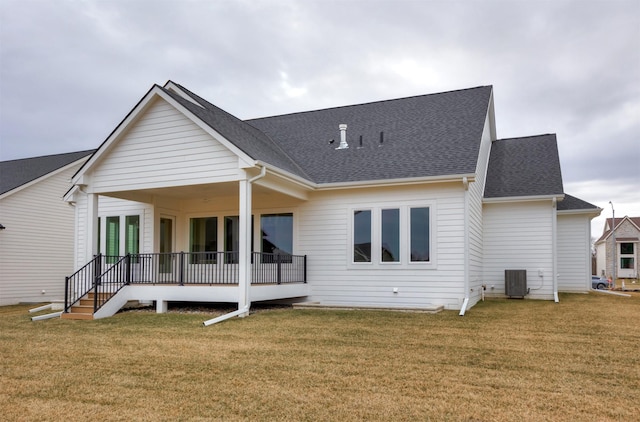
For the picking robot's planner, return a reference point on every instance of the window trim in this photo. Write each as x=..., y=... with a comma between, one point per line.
x=405, y=239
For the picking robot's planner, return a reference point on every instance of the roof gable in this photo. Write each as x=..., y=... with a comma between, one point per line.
x=520, y=167
x=16, y=173
x=611, y=223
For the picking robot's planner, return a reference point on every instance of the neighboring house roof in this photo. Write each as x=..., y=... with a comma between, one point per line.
x=571, y=203
x=608, y=225
x=528, y=166
x=15, y=173
x=423, y=136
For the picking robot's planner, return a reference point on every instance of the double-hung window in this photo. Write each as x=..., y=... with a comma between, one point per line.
x=121, y=233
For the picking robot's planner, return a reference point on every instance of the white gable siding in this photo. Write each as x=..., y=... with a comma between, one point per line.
x=325, y=236
x=519, y=236
x=36, y=248
x=163, y=148
x=574, y=257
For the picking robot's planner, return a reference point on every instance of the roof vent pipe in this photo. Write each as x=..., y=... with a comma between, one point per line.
x=381, y=139
x=343, y=137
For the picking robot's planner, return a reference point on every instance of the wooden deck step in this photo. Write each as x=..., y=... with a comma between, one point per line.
x=76, y=316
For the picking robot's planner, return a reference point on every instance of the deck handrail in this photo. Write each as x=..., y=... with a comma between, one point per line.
x=106, y=275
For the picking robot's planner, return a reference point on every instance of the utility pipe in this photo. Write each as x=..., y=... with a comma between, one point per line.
x=226, y=316
x=47, y=316
x=40, y=308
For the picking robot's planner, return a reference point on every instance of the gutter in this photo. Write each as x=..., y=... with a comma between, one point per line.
x=244, y=287
x=465, y=303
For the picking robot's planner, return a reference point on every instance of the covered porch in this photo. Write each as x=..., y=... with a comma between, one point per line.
x=230, y=241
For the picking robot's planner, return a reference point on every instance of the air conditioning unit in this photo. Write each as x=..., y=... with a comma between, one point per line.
x=515, y=283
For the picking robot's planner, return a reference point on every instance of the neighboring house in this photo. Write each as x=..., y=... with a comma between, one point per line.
x=627, y=239
x=36, y=239
x=407, y=203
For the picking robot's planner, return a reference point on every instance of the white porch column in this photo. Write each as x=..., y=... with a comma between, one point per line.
x=92, y=225
x=244, y=260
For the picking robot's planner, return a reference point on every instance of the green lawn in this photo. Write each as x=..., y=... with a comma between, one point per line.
x=509, y=360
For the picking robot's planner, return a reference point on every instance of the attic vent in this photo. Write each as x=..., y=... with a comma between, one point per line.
x=343, y=137
x=515, y=283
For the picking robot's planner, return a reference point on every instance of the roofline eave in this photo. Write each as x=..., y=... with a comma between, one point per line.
x=531, y=198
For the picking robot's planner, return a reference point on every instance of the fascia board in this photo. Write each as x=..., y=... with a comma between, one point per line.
x=594, y=212
x=154, y=92
x=115, y=134
x=171, y=86
x=457, y=178
x=367, y=183
x=41, y=178
x=506, y=199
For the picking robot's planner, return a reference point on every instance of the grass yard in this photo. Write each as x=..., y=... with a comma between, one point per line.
x=506, y=360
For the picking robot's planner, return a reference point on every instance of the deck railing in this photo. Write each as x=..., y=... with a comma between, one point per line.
x=106, y=275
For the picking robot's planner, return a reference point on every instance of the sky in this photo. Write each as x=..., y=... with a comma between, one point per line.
x=70, y=71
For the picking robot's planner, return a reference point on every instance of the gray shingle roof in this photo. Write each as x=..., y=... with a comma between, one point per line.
x=15, y=173
x=570, y=203
x=528, y=166
x=427, y=135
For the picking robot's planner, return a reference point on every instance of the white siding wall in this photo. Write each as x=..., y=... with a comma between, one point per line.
x=36, y=248
x=601, y=259
x=111, y=207
x=324, y=234
x=163, y=148
x=519, y=236
x=574, y=257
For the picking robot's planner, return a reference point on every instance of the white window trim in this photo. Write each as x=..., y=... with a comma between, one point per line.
x=405, y=262
x=102, y=247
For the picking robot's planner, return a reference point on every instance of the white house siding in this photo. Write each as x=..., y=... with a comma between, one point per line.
x=163, y=148
x=324, y=234
x=574, y=257
x=111, y=207
x=519, y=236
x=36, y=248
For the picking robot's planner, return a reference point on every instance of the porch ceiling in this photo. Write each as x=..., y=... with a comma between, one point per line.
x=193, y=192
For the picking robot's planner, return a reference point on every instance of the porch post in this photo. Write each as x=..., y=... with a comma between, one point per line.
x=92, y=225
x=244, y=260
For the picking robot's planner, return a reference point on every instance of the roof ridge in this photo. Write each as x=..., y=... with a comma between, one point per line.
x=369, y=102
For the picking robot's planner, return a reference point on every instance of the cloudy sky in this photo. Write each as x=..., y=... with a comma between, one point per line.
x=71, y=70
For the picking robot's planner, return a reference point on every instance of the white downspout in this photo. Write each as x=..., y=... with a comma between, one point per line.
x=244, y=284
x=554, y=248
x=465, y=302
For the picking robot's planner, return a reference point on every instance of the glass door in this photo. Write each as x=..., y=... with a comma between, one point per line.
x=166, y=245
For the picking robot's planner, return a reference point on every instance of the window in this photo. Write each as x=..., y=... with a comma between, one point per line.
x=626, y=248
x=390, y=245
x=362, y=236
x=203, y=238
x=626, y=263
x=232, y=238
x=277, y=234
x=112, y=239
x=132, y=236
x=419, y=234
